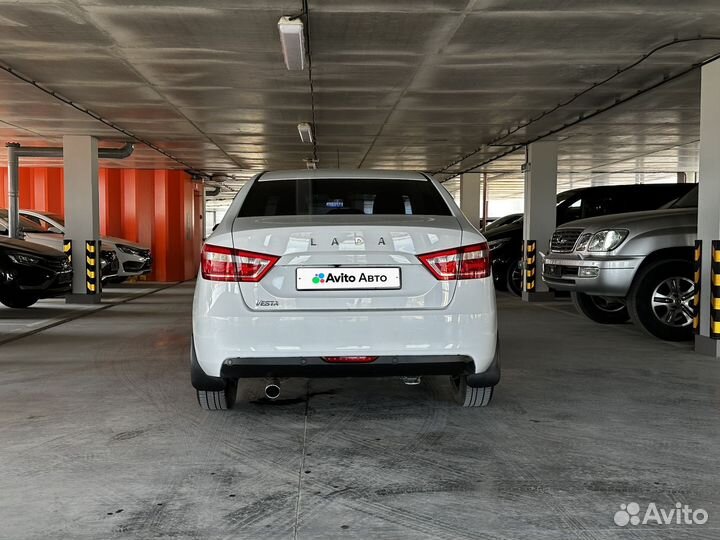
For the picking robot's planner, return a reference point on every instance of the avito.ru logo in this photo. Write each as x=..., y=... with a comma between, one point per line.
x=680, y=515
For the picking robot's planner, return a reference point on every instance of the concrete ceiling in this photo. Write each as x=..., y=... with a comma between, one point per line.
x=411, y=84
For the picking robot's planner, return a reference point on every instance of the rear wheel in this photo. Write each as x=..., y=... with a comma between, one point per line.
x=514, y=277
x=601, y=309
x=218, y=401
x=660, y=301
x=468, y=396
x=17, y=299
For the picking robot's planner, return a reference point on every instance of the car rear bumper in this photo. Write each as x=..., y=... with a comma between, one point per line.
x=234, y=369
x=605, y=277
x=317, y=367
x=227, y=335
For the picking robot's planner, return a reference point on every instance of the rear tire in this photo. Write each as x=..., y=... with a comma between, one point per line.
x=513, y=277
x=601, y=309
x=17, y=299
x=658, y=307
x=218, y=401
x=469, y=396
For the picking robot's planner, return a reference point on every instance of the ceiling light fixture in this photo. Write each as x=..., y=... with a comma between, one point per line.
x=306, y=132
x=292, y=39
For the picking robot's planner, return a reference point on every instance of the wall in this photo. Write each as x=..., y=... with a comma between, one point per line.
x=158, y=208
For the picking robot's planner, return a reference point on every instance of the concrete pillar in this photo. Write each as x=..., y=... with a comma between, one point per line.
x=540, y=203
x=485, y=202
x=82, y=216
x=13, y=190
x=470, y=196
x=709, y=196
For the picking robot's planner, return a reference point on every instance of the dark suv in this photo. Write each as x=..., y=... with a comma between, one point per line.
x=506, y=241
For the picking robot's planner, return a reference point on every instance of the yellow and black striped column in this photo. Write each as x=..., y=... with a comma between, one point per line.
x=697, y=272
x=67, y=249
x=92, y=267
x=715, y=291
x=530, y=265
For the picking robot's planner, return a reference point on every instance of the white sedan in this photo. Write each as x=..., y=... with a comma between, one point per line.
x=333, y=273
x=32, y=232
x=134, y=259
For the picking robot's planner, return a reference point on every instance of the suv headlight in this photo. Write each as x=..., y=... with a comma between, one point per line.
x=583, y=242
x=607, y=240
x=23, y=258
x=494, y=244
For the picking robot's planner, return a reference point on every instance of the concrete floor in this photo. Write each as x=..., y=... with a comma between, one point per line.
x=101, y=437
x=49, y=312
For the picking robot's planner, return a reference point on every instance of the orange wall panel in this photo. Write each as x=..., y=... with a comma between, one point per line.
x=157, y=208
x=3, y=188
x=27, y=188
x=52, y=194
x=110, y=191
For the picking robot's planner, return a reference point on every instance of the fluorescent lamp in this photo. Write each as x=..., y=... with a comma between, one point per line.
x=292, y=38
x=306, y=132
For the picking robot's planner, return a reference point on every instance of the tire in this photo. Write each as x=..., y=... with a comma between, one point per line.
x=17, y=299
x=218, y=401
x=660, y=308
x=513, y=277
x=469, y=396
x=601, y=309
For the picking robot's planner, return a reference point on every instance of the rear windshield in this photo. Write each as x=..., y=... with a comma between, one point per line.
x=328, y=196
x=25, y=224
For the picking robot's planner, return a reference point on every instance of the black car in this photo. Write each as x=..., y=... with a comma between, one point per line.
x=31, y=271
x=506, y=241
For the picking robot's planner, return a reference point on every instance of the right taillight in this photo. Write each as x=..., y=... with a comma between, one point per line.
x=466, y=262
x=226, y=264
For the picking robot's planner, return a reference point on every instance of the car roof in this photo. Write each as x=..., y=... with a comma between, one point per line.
x=341, y=174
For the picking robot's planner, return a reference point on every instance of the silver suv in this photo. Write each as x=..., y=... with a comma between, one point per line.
x=632, y=266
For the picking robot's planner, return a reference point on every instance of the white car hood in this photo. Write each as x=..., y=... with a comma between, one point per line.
x=115, y=240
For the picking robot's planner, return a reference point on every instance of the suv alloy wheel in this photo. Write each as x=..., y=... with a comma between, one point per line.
x=660, y=300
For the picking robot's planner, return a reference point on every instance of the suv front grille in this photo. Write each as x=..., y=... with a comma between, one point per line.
x=563, y=240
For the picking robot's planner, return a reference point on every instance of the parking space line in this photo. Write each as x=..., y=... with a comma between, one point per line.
x=84, y=313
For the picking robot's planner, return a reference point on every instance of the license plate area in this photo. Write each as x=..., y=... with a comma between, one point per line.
x=348, y=278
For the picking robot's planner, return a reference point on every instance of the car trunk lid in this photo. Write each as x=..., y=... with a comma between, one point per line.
x=336, y=262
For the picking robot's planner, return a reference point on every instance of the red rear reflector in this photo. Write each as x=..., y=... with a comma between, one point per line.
x=350, y=359
x=219, y=263
x=467, y=262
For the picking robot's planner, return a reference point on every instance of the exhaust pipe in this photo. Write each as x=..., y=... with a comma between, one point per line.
x=272, y=390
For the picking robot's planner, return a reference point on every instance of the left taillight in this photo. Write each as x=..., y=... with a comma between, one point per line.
x=226, y=264
x=466, y=262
